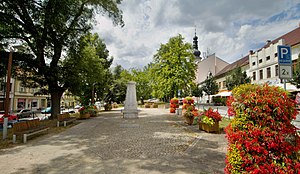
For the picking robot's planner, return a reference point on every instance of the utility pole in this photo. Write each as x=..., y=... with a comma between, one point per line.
x=7, y=103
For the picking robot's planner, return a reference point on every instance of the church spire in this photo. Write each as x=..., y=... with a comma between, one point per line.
x=197, y=53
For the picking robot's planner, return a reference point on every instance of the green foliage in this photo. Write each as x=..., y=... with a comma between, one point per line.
x=296, y=75
x=219, y=100
x=86, y=66
x=173, y=68
x=118, y=85
x=47, y=28
x=197, y=91
x=143, y=83
x=236, y=78
x=210, y=86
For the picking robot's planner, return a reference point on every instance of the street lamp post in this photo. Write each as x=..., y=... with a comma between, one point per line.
x=7, y=103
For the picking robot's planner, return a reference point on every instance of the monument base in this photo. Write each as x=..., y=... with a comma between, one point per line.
x=130, y=113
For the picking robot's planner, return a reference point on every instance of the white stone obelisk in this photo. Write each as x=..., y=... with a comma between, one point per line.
x=130, y=108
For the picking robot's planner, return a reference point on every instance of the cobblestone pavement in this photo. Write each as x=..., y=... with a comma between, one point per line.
x=157, y=142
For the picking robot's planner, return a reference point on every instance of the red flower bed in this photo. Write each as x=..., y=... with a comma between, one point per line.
x=261, y=137
x=210, y=113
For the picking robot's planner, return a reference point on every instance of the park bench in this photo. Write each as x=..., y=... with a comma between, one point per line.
x=65, y=118
x=27, y=128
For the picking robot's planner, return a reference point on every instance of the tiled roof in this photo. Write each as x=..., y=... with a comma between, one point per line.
x=291, y=38
x=239, y=63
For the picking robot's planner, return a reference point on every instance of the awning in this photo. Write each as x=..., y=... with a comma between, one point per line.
x=224, y=94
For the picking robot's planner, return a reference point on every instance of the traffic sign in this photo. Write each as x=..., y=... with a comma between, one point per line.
x=284, y=55
x=285, y=72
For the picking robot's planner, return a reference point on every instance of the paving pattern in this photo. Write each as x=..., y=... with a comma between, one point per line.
x=156, y=142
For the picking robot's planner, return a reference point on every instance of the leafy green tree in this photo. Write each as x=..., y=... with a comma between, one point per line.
x=118, y=85
x=86, y=67
x=173, y=68
x=47, y=28
x=143, y=85
x=197, y=90
x=237, y=78
x=296, y=75
x=210, y=86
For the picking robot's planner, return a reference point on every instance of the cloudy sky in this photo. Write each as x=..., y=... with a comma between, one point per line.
x=228, y=28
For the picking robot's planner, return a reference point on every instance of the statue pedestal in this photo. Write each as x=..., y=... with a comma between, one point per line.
x=130, y=108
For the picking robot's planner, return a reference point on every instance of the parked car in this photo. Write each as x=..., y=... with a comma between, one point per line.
x=46, y=111
x=11, y=119
x=77, y=107
x=26, y=113
x=71, y=111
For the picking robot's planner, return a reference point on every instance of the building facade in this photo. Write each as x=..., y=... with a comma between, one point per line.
x=263, y=63
x=212, y=64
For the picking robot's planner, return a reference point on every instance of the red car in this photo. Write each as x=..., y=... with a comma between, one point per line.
x=11, y=117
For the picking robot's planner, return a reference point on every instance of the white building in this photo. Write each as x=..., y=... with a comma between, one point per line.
x=263, y=63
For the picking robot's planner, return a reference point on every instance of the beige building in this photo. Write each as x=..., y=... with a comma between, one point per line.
x=25, y=98
x=2, y=93
x=221, y=76
x=212, y=64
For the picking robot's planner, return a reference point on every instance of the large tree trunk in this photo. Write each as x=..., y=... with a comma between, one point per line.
x=55, y=102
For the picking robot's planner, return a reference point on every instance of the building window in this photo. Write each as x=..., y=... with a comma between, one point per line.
x=21, y=103
x=269, y=72
x=34, y=103
x=276, y=70
x=260, y=61
x=33, y=90
x=261, y=76
x=268, y=58
x=253, y=63
x=254, y=76
x=224, y=84
x=219, y=84
x=22, y=89
x=275, y=54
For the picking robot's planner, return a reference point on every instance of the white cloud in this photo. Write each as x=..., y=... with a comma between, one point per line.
x=229, y=28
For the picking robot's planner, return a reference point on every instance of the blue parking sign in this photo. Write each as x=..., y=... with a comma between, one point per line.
x=284, y=55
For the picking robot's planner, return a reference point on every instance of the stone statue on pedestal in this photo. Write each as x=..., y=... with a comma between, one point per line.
x=130, y=107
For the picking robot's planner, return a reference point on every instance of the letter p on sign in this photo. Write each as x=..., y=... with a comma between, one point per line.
x=284, y=55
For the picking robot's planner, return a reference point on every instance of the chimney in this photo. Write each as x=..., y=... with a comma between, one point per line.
x=268, y=41
x=251, y=52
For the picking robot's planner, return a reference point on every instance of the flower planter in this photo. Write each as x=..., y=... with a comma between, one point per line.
x=189, y=120
x=85, y=116
x=210, y=128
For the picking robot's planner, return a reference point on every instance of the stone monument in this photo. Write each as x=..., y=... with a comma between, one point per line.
x=130, y=108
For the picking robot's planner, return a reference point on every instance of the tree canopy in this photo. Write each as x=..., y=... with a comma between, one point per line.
x=143, y=83
x=236, y=78
x=210, y=86
x=86, y=67
x=296, y=75
x=47, y=28
x=173, y=68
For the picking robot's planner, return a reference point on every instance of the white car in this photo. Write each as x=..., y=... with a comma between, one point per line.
x=77, y=107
